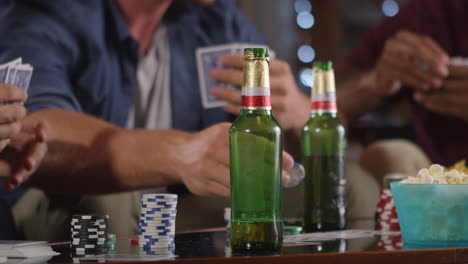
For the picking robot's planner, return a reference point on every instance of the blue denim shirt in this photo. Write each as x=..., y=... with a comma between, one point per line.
x=85, y=58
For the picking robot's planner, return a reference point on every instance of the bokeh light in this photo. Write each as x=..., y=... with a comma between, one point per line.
x=390, y=8
x=302, y=6
x=305, y=20
x=306, y=76
x=306, y=53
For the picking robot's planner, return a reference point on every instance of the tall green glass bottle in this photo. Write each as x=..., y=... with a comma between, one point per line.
x=323, y=157
x=256, y=153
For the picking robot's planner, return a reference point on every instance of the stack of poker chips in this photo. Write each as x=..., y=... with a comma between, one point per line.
x=111, y=241
x=89, y=233
x=157, y=221
x=387, y=218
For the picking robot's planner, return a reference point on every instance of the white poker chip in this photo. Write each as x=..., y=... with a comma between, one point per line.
x=157, y=195
x=163, y=245
x=155, y=239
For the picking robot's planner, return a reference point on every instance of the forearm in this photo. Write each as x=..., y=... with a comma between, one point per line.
x=355, y=94
x=87, y=155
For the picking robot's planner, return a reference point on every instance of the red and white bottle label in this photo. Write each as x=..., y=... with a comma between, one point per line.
x=323, y=103
x=256, y=98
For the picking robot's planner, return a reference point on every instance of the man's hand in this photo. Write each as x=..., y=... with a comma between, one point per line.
x=410, y=59
x=10, y=114
x=206, y=162
x=452, y=99
x=24, y=154
x=290, y=106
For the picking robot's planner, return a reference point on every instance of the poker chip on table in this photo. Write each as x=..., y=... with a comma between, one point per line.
x=157, y=221
x=386, y=216
x=89, y=234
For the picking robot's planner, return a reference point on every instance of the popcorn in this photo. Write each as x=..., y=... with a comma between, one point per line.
x=436, y=174
x=427, y=179
x=435, y=169
x=453, y=177
x=410, y=180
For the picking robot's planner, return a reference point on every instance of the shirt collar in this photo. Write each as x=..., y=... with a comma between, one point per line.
x=120, y=25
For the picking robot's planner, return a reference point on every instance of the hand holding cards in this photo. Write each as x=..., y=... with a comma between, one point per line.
x=15, y=73
x=209, y=58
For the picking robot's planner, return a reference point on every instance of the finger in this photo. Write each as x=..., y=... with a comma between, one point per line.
x=285, y=177
x=458, y=72
x=394, y=73
x=4, y=143
x=456, y=86
x=278, y=86
x=279, y=67
x=444, y=103
x=10, y=130
x=424, y=49
x=12, y=93
x=426, y=78
x=232, y=96
x=288, y=161
x=233, y=109
x=6, y=169
x=35, y=155
x=30, y=131
x=9, y=185
x=230, y=76
x=216, y=189
x=11, y=113
x=233, y=60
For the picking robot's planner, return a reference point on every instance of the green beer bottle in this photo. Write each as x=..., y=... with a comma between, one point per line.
x=255, y=140
x=323, y=156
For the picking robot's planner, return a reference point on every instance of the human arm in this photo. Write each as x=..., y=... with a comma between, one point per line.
x=88, y=155
x=407, y=59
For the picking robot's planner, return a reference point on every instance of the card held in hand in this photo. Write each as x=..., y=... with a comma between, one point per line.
x=209, y=58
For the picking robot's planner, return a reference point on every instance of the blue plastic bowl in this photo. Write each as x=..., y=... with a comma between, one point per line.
x=432, y=214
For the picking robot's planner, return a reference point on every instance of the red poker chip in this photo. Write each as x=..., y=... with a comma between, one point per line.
x=134, y=241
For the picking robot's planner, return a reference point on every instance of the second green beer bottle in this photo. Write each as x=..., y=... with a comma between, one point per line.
x=323, y=157
x=255, y=140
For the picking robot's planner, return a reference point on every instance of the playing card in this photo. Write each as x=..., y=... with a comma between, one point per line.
x=4, y=68
x=23, y=76
x=16, y=73
x=209, y=58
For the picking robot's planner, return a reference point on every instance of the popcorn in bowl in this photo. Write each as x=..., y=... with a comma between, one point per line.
x=438, y=204
x=436, y=174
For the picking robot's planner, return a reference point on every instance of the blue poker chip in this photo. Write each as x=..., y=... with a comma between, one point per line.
x=167, y=206
x=164, y=210
x=159, y=199
x=155, y=232
x=156, y=218
x=151, y=225
x=163, y=221
x=152, y=238
x=150, y=218
x=157, y=245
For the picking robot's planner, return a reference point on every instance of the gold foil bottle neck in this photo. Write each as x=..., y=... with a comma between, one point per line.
x=324, y=81
x=256, y=72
